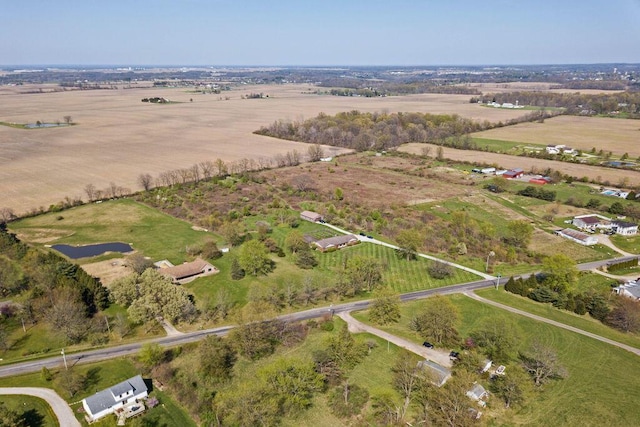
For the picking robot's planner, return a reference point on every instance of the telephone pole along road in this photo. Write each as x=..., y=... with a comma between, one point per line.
x=176, y=340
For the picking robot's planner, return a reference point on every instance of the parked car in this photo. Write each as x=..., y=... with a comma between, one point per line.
x=362, y=234
x=454, y=355
x=369, y=237
x=427, y=344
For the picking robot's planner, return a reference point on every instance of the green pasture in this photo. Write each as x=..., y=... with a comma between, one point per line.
x=629, y=244
x=153, y=233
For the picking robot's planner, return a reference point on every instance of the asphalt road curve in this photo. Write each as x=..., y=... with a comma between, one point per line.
x=60, y=408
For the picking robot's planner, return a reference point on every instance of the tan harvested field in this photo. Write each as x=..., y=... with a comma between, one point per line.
x=616, y=135
x=506, y=161
x=118, y=137
x=486, y=88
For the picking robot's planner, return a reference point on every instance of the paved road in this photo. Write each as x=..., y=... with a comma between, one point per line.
x=441, y=357
x=553, y=322
x=60, y=408
x=604, y=239
x=181, y=339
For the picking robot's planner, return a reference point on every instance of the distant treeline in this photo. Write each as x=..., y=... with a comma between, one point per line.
x=574, y=103
x=359, y=87
x=382, y=131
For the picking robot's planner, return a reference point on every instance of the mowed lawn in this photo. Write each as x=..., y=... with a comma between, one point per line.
x=599, y=390
x=36, y=412
x=153, y=233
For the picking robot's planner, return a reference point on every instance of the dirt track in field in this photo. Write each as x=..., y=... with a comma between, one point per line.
x=508, y=162
x=118, y=137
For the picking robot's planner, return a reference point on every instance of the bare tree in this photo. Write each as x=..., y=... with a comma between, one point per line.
x=426, y=150
x=67, y=120
x=542, y=364
x=185, y=175
x=112, y=190
x=90, y=191
x=207, y=169
x=303, y=182
x=195, y=173
x=145, y=180
x=315, y=153
x=6, y=215
x=221, y=167
x=281, y=161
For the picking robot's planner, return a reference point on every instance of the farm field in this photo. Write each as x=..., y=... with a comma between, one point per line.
x=527, y=163
x=595, y=369
x=616, y=135
x=118, y=137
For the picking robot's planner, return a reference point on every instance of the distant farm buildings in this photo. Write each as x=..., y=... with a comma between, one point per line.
x=560, y=149
x=335, y=243
x=594, y=222
x=311, y=216
x=578, y=236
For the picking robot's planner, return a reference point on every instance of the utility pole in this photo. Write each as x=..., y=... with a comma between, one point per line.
x=23, y=328
x=65, y=360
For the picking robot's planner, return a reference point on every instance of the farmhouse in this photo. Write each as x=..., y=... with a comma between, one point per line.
x=107, y=401
x=624, y=228
x=188, y=270
x=311, y=216
x=559, y=149
x=578, y=236
x=630, y=289
x=438, y=375
x=591, y=222
x=337, y=242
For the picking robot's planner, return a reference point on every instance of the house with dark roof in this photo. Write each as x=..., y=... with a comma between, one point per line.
x=337, y=242
x=624, y=228
x=187, y=271
x=592, y=222
x=107, y=401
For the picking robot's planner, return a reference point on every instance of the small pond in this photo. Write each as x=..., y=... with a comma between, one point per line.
x=44, y=125
x=75, y=252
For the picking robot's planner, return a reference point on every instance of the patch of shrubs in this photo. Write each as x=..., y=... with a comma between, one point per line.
x=538, y=193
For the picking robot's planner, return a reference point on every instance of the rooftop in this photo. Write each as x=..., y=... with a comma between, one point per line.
x=105, y=399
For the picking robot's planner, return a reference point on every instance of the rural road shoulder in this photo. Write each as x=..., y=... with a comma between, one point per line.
x=553, y=322
x=441, y=357
x=60, y=408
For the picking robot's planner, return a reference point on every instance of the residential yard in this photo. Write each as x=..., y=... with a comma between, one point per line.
x=37, y=412
x=629, y=244
x=98, y=377
x=596, y=387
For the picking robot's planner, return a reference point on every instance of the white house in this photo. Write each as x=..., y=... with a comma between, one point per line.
x=560, y=149
x=630, y=289
x=625, y=228
x=478, y=393
x=107, y=401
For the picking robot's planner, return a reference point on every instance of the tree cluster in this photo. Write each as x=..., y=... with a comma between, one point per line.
x=538, y=193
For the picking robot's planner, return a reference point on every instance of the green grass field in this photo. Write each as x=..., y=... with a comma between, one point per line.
x=155, y=234
x=498, y=146
x=36, y=412
x=598, y=390
x=629, y=244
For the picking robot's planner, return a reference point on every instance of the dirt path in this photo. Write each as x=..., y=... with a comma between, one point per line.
x=441, y=357
x=553, y=322
x=168, y=328
x=613, y=276
x=603, y=239
x=60, y=408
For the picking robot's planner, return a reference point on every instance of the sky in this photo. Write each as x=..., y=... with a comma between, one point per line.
x=320, y=32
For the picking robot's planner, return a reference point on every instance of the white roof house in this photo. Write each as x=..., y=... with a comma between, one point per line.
x=107, y=401
x=630, y=289
x=625, y=228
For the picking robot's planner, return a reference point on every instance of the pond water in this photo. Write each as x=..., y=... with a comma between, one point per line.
x=75, y=252
x=44, y=125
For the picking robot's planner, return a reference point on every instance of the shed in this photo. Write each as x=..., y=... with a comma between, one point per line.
x=311, y=216
x=438, y=374
x=578, y=236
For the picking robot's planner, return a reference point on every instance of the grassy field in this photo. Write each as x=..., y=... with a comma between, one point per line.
x=118, y=137
x=502, y=146
x=100, y=376
x=37, y=412
x=586, y=322
x=629, y=244
x=153, y=233
x=591, y=394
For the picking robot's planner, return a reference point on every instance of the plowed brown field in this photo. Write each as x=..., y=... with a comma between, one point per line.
x=118, y=137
